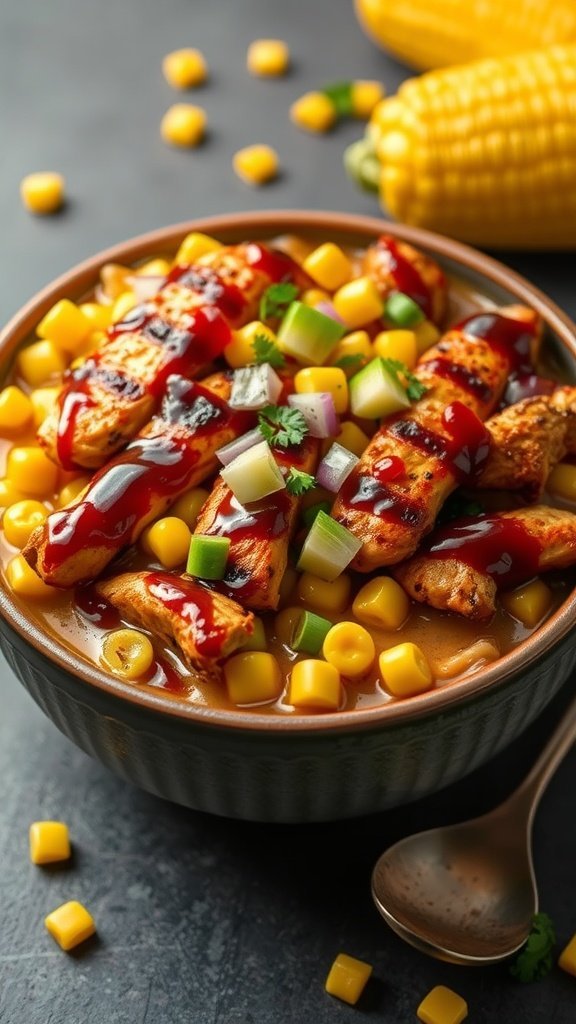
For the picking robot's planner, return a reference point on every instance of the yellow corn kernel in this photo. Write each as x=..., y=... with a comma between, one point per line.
x=358, y=302
x=41, y=362
x=562, y=481
x=399, y=345
x=113, y=278
x=70, y=924
x=73, y=491
x=347, y=978
x=24, y=581
x=122, y=305
x=529, y=604
x=65, y=325
x=49, y=842
x=366, y=95
x=240, y=351
x=256, y=164
x=350, y=648
x=43, y=402
x=352, y=438
x=31, y=471
x=329, y=266
x=315, y=684
x=257, y=640
x=442, y=1006
x=324, y=378
x=16, y=410
x=42, y=192
x=268, y=58
x=405, y=670
x=567, y=958
x=253, y=677
x=183, y=125
x=194, y=246
x=184, y=69
x=312, y=296
x=168, y=539
x=381, y=603
x=154, y=268
x=356, y=344
x=8, y=493
x=99, y=317
x=284, y=624
x=328, y=598
x=427, y=334
x=313, y=112
x=21, y=519
x=127, y=653
x=188, y=506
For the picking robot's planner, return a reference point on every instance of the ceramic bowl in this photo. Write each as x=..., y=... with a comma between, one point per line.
x=282, y=769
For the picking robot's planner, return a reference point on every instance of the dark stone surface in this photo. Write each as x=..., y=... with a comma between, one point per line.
x=201, y=919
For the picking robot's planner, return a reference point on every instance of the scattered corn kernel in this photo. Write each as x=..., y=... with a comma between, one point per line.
x=49, y=842
x=427, y=334
x=257, y=640
x=268, y=58
x=188, y=506
x=324, y=378
x=127, y=653
x=328, y=598
x=366, y=95
x=31, y=471
x=157, y=267
x=285, y=622
x=253, y=677
x=313, y=112
x=567, y=958
x=312, y=296
x=43, y=402
x=347, y=978
x=113, y=277
x=529, y=604
x=41, y=362
x=65, y=325
x=315, y=684
x=358, y=302
x=405, y=670
x=122, y=305
x=98, y=316
x=350, y=648
x=382, y=603
x=256, y=164
x=442, y=1006
x=352, y=438
x=183, y=125
x=70, y=925
x=184, y=69
x=21, y=519
x=73, y=491
x=168, y=539
x=16, y=410
x=240, y=351
x=42, y=192
x=399, y=345
x=329, y=266
x=355, y=348
x=24, y=581
x=195, y=245
x=562, y=481
x=8, y=493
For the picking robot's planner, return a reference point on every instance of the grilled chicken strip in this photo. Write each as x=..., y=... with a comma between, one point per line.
x=397, y=266
x=464, y=564
x=391, y=499
x=204, y=625
x=174, y=452
x=259, y=533
x=184, y=327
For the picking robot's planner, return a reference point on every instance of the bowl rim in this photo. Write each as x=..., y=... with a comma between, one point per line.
x=269, y=222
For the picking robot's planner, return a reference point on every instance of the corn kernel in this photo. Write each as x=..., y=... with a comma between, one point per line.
x=24, y=581
x=350, y=648
x=366, y=96
x=405, y=670
x=184, y=69
x=268, y=58
x=65, y=325
x=347, y=978
x=127, y=653
x=99, y=317
x=154, y=268
x=122, y=305
x=21, y=519
x=315, y=684
x=356, y=349
x=567, y=958
x=113, y=277
x=40, y=362
x=399, y=345
x=352, y=438
x=31, y=471
x=442, y=1006
x=194, y=246
x=312, y=296
x=257, y=640
x=183, y=125
x=240, y=351
x=256, y=164
x=253, y=677
x=562, y=481
x=427, y=334
x=16, y=410
x=329, y=266
x=43, y=402
x=358, y=302
x=324, y=378
x=188, y=506
x=284, y=624
x=42, y=192
x=73, y=491
x=328, y=598
x=382, y=603
x=168, y=539
x=313, y=112
x=8, y=493
x=49, y=842
x=70, y=925
x=529, y=604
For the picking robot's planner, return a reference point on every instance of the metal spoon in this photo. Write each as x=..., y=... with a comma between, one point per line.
x=466, y=893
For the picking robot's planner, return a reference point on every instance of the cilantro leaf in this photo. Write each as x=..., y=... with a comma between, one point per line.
x=282, y=426
x=412, y=386
x=276, y=299
x=340, y=96
x=349, y=361
x=266, y=351
x=298, y=482
x=535, y=960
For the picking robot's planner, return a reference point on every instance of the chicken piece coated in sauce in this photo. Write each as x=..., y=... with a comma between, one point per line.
x=397, y=266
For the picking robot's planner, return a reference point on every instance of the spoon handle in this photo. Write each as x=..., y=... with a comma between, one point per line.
x=531, y=789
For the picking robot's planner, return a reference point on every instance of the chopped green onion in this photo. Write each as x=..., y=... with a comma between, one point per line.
x=208, y=556
x=376, y=392
x=309, y=633
x=308, y=335
x=328, y=548
x=253, y=474
x=257, y=640
x=402, y=311
x=309, y=514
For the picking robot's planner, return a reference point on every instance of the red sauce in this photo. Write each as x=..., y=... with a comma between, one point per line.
x=501, y=548
x=463, y=378
x=367, y=493
x=213, y=289
x=278, y=266
x=464, y=453
x=96, y=608
x=406, y=276
x=513, y=339
x=163, y=676
x=389, y=468
x=194, y=604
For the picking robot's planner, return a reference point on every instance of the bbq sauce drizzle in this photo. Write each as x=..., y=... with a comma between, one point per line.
x=406, y=276
x=192, y=603
x=499, y=547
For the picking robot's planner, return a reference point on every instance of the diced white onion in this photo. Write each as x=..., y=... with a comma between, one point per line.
x=254, y=387
x=328, y=548
x=253, y=474
x=318, y=410
x=230, y=451
x=335, y=467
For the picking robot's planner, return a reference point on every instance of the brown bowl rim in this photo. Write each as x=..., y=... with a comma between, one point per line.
x=77, y=280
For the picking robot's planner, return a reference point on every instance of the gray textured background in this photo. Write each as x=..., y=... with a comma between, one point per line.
x=201, y=919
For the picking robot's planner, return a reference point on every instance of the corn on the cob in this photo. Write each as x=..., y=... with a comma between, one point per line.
x=484, y=152
x=435, y=33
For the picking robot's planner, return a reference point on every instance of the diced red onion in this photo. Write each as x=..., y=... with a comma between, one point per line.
x=230, y=451
x=145, y=286
x=318, y=410
x=328, y=310
x=253, y=387
x=527, y=385
x=335, y=467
